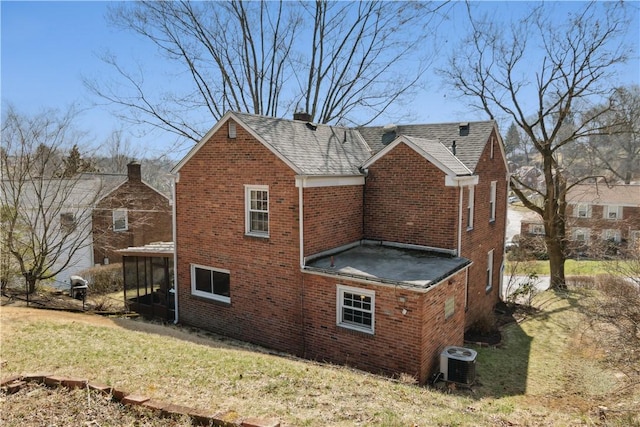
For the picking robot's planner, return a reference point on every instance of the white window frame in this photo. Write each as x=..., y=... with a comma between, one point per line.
x=125, y=216
x=341, y=291
x=616, y=210
x=536, y=229
x=248, y=189
x=209, y=295
x=612, y=234
x=492, y=201
x=583, y=208
x=489, y=284
x=470, y=208
x=581, y=231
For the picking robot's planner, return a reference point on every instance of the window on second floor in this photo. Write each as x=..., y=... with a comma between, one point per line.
x=582, y=211
x=470, y=208
x=612, y=212
x=257, y=210
x=492, y=201
x=120, y=220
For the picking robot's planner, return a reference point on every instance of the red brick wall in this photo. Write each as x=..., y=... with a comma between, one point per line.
x=149, y=218
x=332, y=217
x=265, y=272
x=401, y=344
x=485, y=235
x=406, y=201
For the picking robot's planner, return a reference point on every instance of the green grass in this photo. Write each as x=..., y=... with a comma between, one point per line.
x=542, y=375
x=572, y=267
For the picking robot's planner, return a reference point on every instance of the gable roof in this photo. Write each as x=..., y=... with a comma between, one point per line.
x=322, y=150
x=307, y=148
x=601, y=194
x=432, y=150
x=470, y=142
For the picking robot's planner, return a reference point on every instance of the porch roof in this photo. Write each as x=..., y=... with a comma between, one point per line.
x=413, y=267
x=155, y=249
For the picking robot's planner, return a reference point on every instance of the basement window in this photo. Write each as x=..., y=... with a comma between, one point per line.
x=212, y=283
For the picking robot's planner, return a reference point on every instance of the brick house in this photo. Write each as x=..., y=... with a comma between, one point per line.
x=132, y=214
x=601, y=220
x=373, y=247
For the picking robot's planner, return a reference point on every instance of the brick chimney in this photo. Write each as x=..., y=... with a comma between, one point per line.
x=133, y=171
x=302, y=116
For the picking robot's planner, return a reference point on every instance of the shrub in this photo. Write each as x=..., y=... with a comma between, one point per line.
x=104, y=279
x=485, y=323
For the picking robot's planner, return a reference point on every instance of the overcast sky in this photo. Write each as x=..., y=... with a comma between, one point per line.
x=47, y=47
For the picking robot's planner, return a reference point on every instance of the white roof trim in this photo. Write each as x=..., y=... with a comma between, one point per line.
x=417, y=149
x=230, y=115
x=306, y=181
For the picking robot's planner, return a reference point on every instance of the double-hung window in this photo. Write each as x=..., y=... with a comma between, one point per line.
x=489, y=270
x=582, y=211
x=67, y=222
x=470, y=208
x=612, y=212
x=492, y=201
x=257, y=210
x=356, y=309
x=213, y=283
x=120, y=220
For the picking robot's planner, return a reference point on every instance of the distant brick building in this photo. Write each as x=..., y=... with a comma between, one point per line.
x=602, y=220
x=132, y=214
x=373, y=247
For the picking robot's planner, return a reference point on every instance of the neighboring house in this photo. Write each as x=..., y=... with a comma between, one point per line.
x=601, y=220
x=58, y=213
x=372, y=247
x=132, y=214
x=530, y=176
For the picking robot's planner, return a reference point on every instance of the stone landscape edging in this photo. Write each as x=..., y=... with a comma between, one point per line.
x=14, y=383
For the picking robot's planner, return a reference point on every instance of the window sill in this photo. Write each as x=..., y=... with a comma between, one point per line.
x=226, y=301
x=257, y=235
x=469, y=228
x=356, y=331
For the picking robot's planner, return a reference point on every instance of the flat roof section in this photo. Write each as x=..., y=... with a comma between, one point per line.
x=390, y=264
x=155, y=249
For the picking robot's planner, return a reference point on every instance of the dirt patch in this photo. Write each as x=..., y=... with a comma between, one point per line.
x=79, y=407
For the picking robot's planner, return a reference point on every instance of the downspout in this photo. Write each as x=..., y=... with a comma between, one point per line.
x=176, y=179
x=301, y=227
x=301, y=231
x=460, y=218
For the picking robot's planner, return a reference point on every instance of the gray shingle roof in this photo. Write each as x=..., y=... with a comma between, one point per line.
x=601, y=194
x=313, y=149
x=469, y=145
x=441, y=154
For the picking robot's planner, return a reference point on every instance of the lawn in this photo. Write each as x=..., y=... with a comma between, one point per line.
x=547, y=372
x=572, y=267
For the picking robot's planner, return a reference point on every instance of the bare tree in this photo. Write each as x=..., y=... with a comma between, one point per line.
x=618, y=149
x=544, y=76
x=46, y=220
x=335, y=60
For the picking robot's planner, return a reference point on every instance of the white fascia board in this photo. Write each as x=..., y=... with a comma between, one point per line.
x=461, y=181
x=306, y=181
x=222, y=122
x=200, y=143
x=414, y=147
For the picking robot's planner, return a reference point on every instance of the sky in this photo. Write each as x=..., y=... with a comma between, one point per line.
x=47, y=48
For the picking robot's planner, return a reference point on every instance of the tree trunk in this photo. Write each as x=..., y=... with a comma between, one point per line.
x=31, y=284
x=556, y=264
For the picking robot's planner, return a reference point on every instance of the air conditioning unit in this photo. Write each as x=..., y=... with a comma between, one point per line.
x=458, y=364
